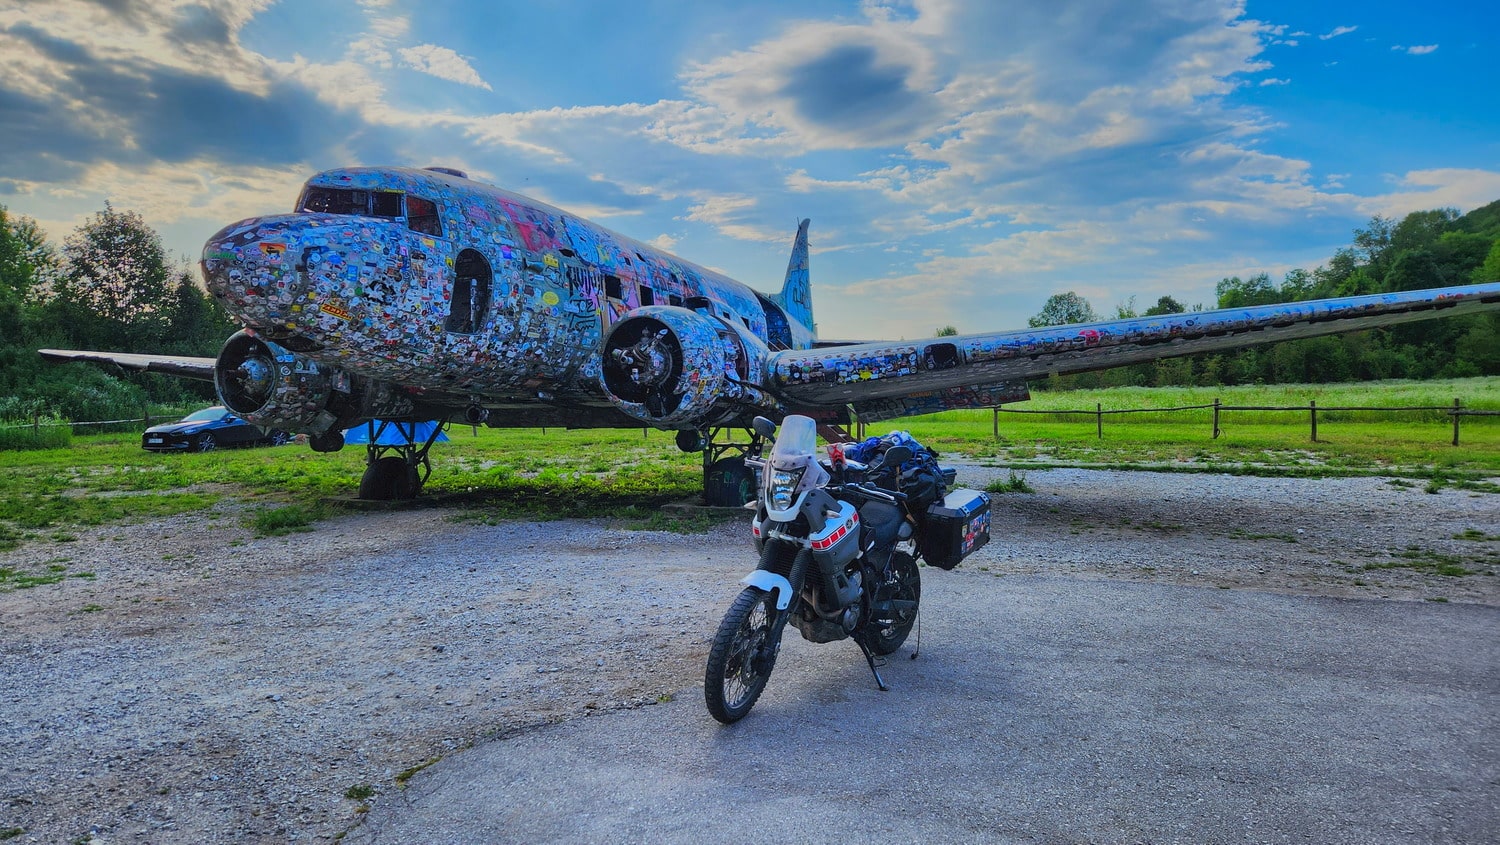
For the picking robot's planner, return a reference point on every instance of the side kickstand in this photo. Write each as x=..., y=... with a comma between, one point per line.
x=870, y=659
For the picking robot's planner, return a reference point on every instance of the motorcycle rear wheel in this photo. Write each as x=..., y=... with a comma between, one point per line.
x=742, y=656
x=886, y=638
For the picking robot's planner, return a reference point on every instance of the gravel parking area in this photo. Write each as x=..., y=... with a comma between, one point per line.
x=205, y=685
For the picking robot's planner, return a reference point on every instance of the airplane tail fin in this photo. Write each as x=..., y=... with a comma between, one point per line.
x=796, y=292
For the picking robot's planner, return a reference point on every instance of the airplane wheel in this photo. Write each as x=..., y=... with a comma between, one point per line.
x=327, y=442
x=728, y=483
x=388, y=479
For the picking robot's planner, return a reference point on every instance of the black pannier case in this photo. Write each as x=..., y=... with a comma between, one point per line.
x=956, y=527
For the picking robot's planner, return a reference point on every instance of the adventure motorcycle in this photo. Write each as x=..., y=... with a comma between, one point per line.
x=838, y=548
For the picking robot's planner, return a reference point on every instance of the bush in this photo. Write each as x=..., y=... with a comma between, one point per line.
x=53, y=433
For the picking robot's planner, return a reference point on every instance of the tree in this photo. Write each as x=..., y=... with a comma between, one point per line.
x=1298, y=285
x=1374, y=240
x=114, y=288
x=1421, y=229
x=1165, y=305
x=28, y=262
x=1489, y=271
x=1235, y=292
x=1413, y=269
x=1062, y=309
x=946, y=331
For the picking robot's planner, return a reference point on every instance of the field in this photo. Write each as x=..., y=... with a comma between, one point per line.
x=45, y=494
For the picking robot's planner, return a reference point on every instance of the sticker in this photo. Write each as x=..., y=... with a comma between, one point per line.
x=334, y=311
x=550, y=298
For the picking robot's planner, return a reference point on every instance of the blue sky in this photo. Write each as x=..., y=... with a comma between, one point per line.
x=961, y=160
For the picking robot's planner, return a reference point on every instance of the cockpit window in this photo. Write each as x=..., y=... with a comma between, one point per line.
x=349, y=201
x=422, y=216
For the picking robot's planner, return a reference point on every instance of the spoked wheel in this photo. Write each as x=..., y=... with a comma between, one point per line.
x=205, y=443
x=742, y=656
x=895, y=607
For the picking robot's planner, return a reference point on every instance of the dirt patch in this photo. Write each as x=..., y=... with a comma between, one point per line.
x=205, y=685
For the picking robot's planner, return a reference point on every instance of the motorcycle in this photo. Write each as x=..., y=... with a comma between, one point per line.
x=838, y=557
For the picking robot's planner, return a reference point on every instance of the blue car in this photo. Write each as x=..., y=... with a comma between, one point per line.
x=208, y=429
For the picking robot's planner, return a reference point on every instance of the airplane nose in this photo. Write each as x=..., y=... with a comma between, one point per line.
x=252, y=267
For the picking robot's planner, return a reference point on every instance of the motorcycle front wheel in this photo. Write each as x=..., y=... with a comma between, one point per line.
x=742, y=656
x=890, y=623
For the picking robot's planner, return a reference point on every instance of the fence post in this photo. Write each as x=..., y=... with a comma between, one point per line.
x=1099, y=416
x=36, y=424
x=995, y=423
x=146, y=415
x=1216, y=418
x=1455, y=421
x=1312, y=411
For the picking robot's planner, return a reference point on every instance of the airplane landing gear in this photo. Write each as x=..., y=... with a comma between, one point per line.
x=395, y=471
x=727, y=482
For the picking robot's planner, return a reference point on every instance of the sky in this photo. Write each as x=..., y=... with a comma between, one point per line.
x=961, y=160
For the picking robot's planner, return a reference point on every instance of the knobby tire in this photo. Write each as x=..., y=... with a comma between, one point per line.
x=742, y=656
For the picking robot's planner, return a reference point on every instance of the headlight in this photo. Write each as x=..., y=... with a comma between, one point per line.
x=783, y=486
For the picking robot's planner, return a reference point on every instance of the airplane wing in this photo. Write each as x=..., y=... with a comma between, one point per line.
x=182, y=366
x=880, y=379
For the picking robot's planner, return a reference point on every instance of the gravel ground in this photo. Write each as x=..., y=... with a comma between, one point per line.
x=209, y=686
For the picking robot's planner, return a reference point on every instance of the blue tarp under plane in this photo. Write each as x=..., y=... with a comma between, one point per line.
x=390, y=433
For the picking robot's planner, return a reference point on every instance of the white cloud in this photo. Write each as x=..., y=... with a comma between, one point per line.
x=1421, y=50
x=1337, y=31
x=442, y=63
x=1420, y=190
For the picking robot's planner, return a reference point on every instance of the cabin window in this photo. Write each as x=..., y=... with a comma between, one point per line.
x=422, y=216
x=471, y=293
x=386, y=203
x=612, y=287
x=350, y=201
x=674, y=299
x=648, y=296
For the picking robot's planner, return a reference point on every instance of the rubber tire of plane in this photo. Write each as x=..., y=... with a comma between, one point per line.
x=204, y=443
x=728, y=483
x=883, y=641
x=388, y=479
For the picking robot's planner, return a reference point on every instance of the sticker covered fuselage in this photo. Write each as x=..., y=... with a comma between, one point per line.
x=440, y=283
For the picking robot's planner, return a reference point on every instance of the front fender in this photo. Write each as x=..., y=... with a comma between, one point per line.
x=771, y=582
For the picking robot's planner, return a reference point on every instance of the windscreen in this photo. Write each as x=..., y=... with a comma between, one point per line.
x=796, y=442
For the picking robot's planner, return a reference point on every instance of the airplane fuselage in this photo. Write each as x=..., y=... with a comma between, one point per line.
x=438, y=283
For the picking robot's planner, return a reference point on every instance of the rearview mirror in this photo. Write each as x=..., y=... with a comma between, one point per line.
x=763, y=427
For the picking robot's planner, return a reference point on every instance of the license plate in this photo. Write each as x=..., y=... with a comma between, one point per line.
x=153, y=439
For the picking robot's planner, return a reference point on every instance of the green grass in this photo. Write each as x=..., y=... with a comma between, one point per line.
x=47, y=495
x=1015, y=483
x=1255, y=442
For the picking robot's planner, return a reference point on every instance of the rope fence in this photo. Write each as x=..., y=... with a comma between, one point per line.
x=1456, y=411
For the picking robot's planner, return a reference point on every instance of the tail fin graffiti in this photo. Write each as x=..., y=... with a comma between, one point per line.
x=796, y=292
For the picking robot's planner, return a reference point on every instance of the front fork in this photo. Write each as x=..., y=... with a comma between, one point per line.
x=785, y=588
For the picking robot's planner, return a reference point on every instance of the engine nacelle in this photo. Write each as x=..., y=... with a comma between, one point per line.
x=272, y=386
x=675, y=368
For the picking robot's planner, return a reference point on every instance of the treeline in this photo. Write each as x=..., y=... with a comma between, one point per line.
x=110, y=287
x=1426, y=249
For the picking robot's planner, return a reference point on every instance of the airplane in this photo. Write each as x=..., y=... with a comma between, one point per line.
x=405, y=294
